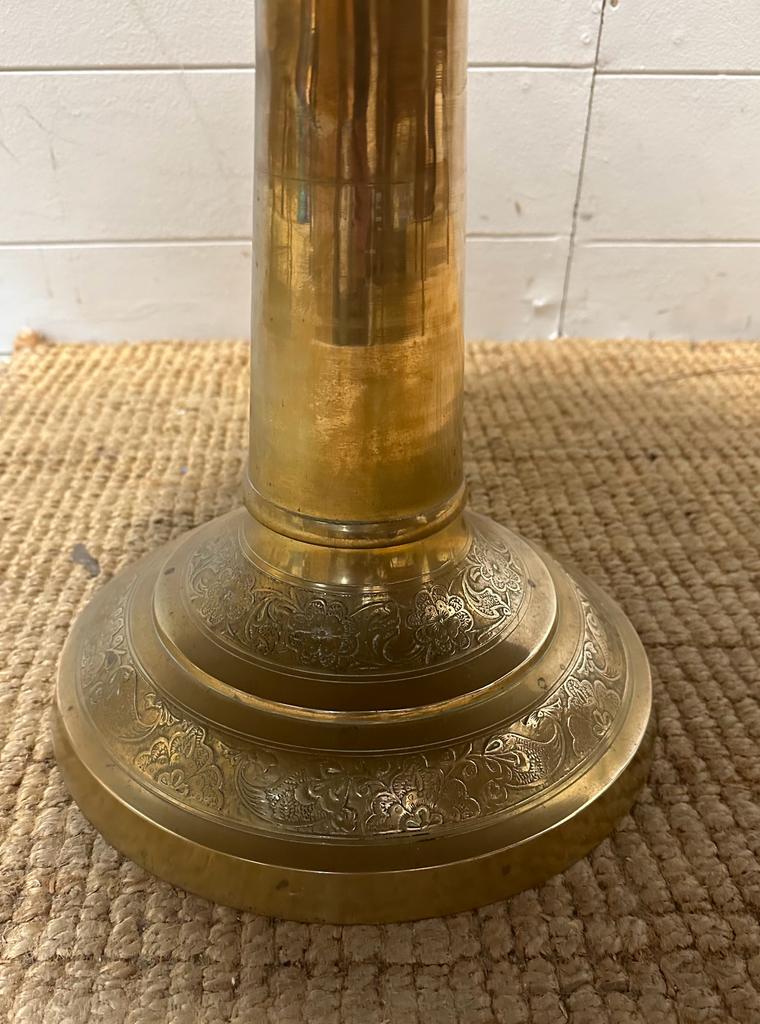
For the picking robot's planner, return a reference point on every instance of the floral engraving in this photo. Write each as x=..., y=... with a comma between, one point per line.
x=184, y=763
x=366, y=795
x=346, y=631
x=288, y=791
x=110, y=681
x=322, y=634
x=442, y=625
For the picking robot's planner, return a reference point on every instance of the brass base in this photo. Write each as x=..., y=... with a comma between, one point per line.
x=353, y=735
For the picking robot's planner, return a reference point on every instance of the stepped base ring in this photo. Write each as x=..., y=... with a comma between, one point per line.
x=315, y=749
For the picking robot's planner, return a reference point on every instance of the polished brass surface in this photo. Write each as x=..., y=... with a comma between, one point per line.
x=355, y=699
x=356, y=393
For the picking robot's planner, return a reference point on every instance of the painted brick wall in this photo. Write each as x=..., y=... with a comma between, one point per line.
x=613, y=185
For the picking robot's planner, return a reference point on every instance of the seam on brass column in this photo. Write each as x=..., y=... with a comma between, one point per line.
x=382, y=533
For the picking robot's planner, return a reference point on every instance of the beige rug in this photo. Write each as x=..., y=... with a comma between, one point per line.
x=638, y=461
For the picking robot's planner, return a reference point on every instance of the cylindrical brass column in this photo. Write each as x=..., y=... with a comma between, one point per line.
x=357, y=361
x=354, y=699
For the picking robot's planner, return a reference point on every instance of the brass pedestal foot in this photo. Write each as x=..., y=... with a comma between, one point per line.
x=353, y=736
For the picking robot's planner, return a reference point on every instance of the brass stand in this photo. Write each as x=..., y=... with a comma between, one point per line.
x=355, y=700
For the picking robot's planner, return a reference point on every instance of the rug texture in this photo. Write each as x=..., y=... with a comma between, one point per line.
x=639, y=462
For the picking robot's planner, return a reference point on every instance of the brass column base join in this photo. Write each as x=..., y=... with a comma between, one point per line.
x=330, y=706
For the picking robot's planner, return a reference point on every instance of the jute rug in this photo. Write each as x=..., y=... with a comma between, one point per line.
x=639, y=462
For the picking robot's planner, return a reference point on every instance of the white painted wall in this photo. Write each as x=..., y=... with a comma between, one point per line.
x=613, y=185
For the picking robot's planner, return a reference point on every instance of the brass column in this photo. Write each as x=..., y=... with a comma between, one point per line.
x=354, y=699
x=357, y=359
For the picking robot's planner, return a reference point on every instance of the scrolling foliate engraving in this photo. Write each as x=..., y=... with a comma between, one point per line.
x=183, y=762
x=128, y=710
x=342, y=631
x=443, y=788
x=277, y=789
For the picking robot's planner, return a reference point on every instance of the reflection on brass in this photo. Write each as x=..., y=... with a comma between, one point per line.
x=354, y=699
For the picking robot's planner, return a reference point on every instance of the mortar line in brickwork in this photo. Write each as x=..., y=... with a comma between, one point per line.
x=581, y=170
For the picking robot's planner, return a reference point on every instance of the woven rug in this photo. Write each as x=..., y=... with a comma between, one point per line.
x=639, y=462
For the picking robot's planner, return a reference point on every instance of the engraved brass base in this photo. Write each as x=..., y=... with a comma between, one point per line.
x=353, y=735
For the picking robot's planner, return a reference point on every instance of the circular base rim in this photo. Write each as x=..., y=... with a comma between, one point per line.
x=375, y=897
